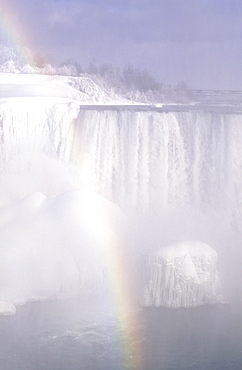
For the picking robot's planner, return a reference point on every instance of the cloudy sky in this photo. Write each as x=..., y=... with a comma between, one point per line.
x=197, y=41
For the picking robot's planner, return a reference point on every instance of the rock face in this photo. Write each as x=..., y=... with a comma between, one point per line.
x=180, y=275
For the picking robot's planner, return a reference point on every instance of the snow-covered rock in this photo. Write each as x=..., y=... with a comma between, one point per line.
x=181, y=275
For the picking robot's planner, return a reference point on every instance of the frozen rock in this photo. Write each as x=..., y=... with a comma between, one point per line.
x=181, y=275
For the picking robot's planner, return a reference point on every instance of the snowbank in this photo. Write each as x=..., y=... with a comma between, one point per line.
x=81, y=89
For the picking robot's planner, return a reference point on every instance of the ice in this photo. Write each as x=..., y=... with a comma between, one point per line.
x=181, y=275
x=53, y=247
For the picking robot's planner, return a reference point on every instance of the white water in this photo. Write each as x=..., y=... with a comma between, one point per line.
x=139, y=160
x=179, y=171
x=151, y=160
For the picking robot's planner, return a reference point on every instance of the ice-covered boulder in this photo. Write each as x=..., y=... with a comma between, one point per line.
x=180, y=275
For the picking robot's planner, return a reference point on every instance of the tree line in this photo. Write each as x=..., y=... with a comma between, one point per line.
x=129, y=82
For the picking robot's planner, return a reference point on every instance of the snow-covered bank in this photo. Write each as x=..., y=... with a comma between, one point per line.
x=82, y=89
x=29, y=85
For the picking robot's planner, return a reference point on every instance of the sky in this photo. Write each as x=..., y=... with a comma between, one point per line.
x=196, y=41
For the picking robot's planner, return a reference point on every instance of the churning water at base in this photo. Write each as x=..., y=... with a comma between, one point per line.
x=84, y=335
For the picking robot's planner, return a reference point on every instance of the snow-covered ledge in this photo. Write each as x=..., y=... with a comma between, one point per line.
x=181, y=275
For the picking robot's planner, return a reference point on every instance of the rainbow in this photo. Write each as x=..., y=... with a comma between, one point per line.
x=119, y=280
x=14, y=33
x=108, y=236
x=123, y=297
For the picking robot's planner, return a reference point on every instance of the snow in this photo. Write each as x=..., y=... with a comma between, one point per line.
x=184, y=248
x=181, y=275
x=18, y=85
x=80, y=89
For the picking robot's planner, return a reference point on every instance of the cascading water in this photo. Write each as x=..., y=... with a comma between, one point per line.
x=152, y=161
x=139, y=160
x=182, y=172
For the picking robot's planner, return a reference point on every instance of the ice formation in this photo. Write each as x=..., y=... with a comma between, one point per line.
x=53, y=247
x=181, y=275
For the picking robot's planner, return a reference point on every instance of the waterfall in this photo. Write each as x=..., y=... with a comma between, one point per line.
x=149, y=163
x=152, y=160
x=140, y=160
